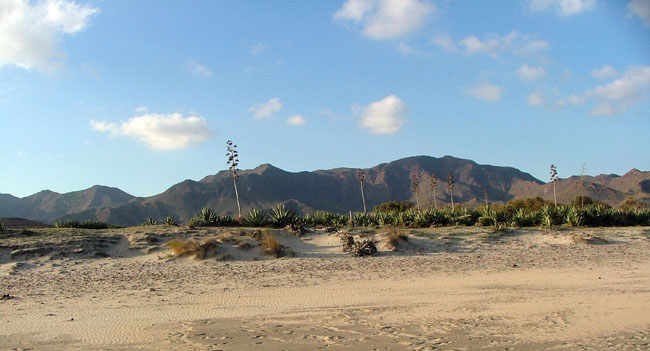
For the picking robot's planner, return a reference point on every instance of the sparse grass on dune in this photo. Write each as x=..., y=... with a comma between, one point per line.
x=394, y=236
x=191, y=247
x=271, y=246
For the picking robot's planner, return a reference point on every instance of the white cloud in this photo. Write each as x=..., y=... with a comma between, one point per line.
x=535, y=99
x=526, y=72
x=513, y=43
x=485, y=91
x=386, y=19
x=92, y=70
x=259, y=48
x=445, y=42
x=562, y=7
x=605, y=72
x=30, y=33
x=160, y=132
x=296, y=120
x=355, y=108
x=198, y=69
x=386, y=116
x=405, y=49
x=640, y=8
x=266, y=109
x=354, y=10
x=617, y=96
x=142, y=109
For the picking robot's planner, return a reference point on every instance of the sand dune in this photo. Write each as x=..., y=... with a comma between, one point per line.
x=444, y=289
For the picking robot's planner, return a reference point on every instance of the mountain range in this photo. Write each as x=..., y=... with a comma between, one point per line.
x=335, y=190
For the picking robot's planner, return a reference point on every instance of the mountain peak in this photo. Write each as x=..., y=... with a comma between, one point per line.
x=633, y=171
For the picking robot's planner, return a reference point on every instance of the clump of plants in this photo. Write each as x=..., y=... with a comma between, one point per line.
x=256, y=218
x=171, y=221
x=191, y=247
x=88, y=224
x=282, y=216
x=394, y=237
x=207, y=217
x=271, y=246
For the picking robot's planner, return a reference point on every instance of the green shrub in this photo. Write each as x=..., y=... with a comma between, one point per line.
x=575, y=217
x=171, y=221
x=394, y=206
x=282, y=216
x=524, y=218
x=89, y=224
x=207, y=216
x=361, y=219
x=256, y=218
x=490, y=216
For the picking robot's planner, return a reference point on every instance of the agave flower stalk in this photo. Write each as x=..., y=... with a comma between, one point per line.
x=582, y=185
x=554, y=180
x=233, y=161
x=362, y=178
x=450, y=187
x=434, y=188
x=415, y=186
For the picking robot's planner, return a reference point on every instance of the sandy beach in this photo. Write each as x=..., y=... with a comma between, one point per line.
x=443, y=289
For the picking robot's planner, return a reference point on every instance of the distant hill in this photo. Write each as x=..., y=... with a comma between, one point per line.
x=19, y=223
x=46, y=205
x=334, y=190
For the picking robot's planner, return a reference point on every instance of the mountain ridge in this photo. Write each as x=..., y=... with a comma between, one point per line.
x=334, y=190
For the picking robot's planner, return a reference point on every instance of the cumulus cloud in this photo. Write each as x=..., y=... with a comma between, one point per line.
x=386, y=116
x=160, y=132
x=266, y=109
x=445, y=42
x=605, y=72
x=259, y=48
x=492, y=45
x=386, y=19
x=562, y=8
x=526, y=72
x=641, y=9
x=296, y=120
x=617, y=96
x=406, y=49
x=535, y=99
x=30, y=33
x=485, y=91
x=198, y=69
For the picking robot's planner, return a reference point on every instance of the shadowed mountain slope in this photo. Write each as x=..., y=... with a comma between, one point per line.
x=334, y=190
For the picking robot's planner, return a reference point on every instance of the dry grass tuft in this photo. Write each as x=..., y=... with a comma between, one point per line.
x=191, y=247
x=394, y=236
x=271, y=246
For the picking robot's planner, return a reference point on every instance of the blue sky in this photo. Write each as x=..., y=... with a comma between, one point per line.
x=141, y=95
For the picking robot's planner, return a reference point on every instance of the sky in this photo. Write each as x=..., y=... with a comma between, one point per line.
x=141, y=95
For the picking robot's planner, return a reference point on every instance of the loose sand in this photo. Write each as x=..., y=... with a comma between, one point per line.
x=444, y=289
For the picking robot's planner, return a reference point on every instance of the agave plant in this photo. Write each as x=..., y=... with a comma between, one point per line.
x=151, y=221
x=523, y=218
x=548, y=216
x=67, y=223
x=208, y=216
x=171, y=221
x=364, y=219
x=2, y=226
x=282, y=216
x=256, y=218
x=93, y=224
x=384, y=218
x=574, y=217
